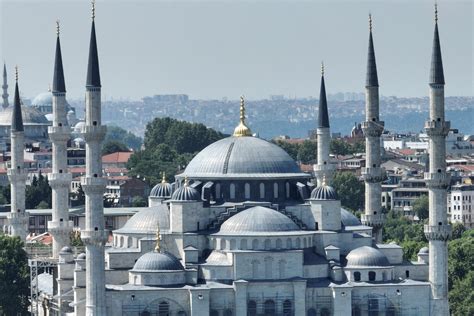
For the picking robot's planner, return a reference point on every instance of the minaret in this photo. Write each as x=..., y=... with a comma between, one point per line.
x=373, y=128
x=94, y=236
x=59, y=179
x=324, y=169
x=18, y=218
x=5, y=87
x=438, y=230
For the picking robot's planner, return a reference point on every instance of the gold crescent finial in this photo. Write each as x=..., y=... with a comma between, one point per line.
x=16, y=73
x=186, y=181
x=163, y=178
x=370, y=22
x=324, y=181
x=436, y=12
x=93, y=10
x=242, y=129
x=322, y=68
x=158, y=239
x=242, y=109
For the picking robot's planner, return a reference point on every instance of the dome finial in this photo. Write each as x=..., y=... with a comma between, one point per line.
x=186, y=181
x=163, y=178
x=323, y=183
x=158, y=239
x=93, y=10
x=242, y=129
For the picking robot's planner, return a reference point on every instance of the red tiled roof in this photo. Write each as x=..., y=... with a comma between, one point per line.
x=407, y=151
x=118, y=157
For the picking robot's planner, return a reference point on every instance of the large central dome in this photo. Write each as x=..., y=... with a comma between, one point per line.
x=243, y=157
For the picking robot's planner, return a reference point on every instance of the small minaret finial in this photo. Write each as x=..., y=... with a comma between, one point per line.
x=186, y=181
x=16, y=73
x=436, y=12
x=93, y=10
x=57, y=27
x=324, y=180
x=322, y=68
x=370, y=21
x=158, y=239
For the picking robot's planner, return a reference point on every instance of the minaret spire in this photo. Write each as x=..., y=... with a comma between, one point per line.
x=5, y=87
x=58, y=78
x=324, y=170
x=373, y=128
x=18, y=218
x=94, y=235
x=438, y=230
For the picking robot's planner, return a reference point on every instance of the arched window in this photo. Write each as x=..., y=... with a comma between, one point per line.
x=275, y=190
x=232, y=191
x=298, y=243
x=269, y=308
x=311, y=312
x=222, y=244
x=287, y=308
x=255, y=264
x=287, y=187
x=289, y=243
x=243, y=244
x=268, y=268
x=232, y=244
x=214, y=313
x=357, y=276
x=305, y=243
x=218, y=191
x=262, y=190
x=228, y=312
x=164, y=309
x=407, y=273
x=268, y=244
x=255, y=244
x=278, y=243
x=371, y=276
x=325, y=312
x=281, y=269
x=384, y=276
x=247, y=191
x=252, y=308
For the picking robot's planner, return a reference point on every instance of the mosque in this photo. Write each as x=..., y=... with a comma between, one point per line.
x=242, y=231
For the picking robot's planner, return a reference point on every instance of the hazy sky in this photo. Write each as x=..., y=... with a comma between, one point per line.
x=218, y=49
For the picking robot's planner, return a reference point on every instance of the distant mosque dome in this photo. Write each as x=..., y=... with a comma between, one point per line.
x=157, y=261
x=258, y=219
x=31, y=116
x=43, y=99
x=366, y=257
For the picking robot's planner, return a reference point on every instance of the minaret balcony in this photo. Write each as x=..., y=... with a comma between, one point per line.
x=17, y=175
x=373, y=128
x=59, y=133
x=18, y=218
x=60, y=228
x=94, y=237
x=438, y=232
x=324, y=168
x=93, y=185
x=58, y=180
x=437, y=180
x=373, y=220
x=437, y=128
x=373, y=174
x=93, y=132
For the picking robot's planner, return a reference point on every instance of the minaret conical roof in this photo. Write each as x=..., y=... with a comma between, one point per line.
x=436, y=73
x=93, y=74
x=59, y=84
x=17, y=119
x=323, y=116
x=372, y=78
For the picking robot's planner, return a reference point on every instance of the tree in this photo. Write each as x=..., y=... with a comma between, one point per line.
x=421, y=207
x=340, y=147
x=115, y=133
x=113, y=146
x=42, y=205
x=457, y=230
x=39, y=191
x=349, y=189
x=14, y=277
x=307, y=151
x=75, y=239
x=138, y=201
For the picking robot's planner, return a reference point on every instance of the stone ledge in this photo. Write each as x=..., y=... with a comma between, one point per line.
x=437, y=232
x=437, y=128
x=375, y=221
x=57, y=179
x=437, y=179
x=93, y=132
x=94, y=237
x=373, y=128
x=373, y=174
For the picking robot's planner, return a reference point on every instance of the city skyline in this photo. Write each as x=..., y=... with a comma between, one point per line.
x=258, y=50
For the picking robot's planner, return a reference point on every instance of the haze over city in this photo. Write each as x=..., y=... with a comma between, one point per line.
x=219, y=49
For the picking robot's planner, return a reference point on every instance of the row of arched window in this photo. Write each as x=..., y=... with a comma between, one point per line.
x=269, y=271
x=247, y=193
x=290, y=243
x=270, y=308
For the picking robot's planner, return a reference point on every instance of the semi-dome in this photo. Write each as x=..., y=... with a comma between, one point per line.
x=243, y=157
x=324, y=192
x=157, y=261
x=186, y=193
x=147, y=221
x=258, y=219
x=366, y=257
x=349, y=219
x=30, y=115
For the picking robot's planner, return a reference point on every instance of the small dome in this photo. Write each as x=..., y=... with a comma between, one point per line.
x=157, y=261
x=161, y=190
x=349, y=219
x=186, y=193
x=65, y=250
x=366, y=257
x=324, y=192
x=423, y=251
x=258, y=219
x=82, y=256
x=147, y=221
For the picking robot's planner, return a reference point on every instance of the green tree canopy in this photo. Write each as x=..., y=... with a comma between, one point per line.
x=39, y=191
x=14, y=277
x=421, y=207
x=349, y=189
x=341, y=147
x=138, y=201
x=113, y=146
x=115, y=133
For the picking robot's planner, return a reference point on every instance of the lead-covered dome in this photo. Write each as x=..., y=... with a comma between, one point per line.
x=157, y=261
x=349, y=219
x=257, y=219
x=243, y=157
x=30, y=115
x=161, y=190
x=324, y=192
x=43, y=99
x=186, y=193
x=366, y=257
x=147, y=221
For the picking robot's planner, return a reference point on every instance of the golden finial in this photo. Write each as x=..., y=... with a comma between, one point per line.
x=242, y=129
x=93, y=10
x=158, y=239
x=370, y=22
x=322, y=68
x=163, y=178
x=436, y=11
x=186, y=181
x=16, y=73
x=323, y=183
x=57, y=27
